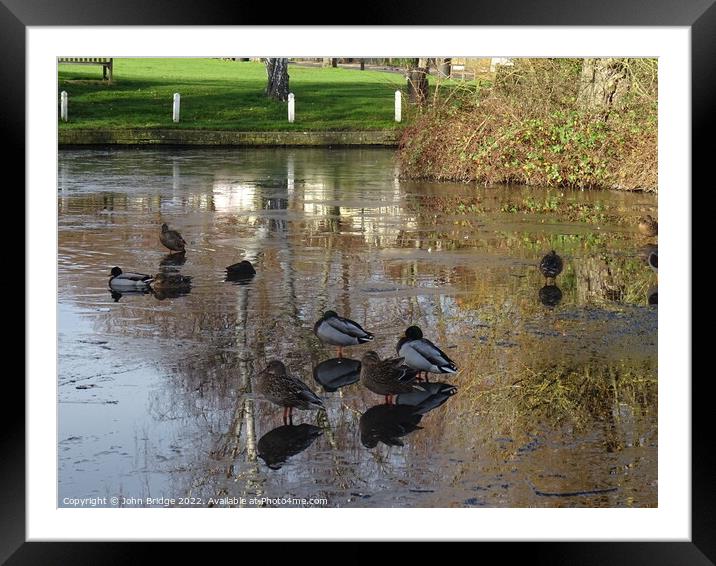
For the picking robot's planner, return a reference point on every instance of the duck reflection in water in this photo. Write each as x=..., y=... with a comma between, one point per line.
x=334, y=373
x=116, y=295
x=550, y=295
x=387, y=424
x=430, y=397
x=173, y=260
x=279, y=444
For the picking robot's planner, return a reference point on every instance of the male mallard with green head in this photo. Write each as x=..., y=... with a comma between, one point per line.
x=648, y=226
x=172, y=239
x=386, y=377
x=338, y=331
x=551, y=265
x=120, y=281
x=286, y=391
x=421, y=354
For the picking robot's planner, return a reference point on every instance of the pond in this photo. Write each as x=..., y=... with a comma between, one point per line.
x=554, y=403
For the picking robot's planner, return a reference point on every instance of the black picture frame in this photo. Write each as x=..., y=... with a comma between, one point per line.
x=699, y=15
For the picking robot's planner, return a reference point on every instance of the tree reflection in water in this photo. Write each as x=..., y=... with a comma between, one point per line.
x=550, y=400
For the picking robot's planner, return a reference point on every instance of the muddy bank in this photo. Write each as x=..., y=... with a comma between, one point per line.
x=152, y=136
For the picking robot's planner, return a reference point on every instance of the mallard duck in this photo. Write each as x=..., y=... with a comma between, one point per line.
x=551, y=265
x=240, y=271
x=120, y=281
x=653, y=261
x=172, y=239
x=279, y=444
x=648, y=226
x=164, y=280
x=275, y=385
x=168, y=285
x=338, y=331
x=421, y=354
x=386, y=377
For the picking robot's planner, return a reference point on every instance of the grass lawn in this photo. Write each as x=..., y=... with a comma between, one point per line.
x=226, y=95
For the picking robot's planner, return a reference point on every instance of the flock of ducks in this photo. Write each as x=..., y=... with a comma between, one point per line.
x=165, y=282
x=388, y=377
x=403, y=374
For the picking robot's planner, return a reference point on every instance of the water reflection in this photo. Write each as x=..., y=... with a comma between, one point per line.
x=550, y=295
x=173, y=260
x=429, y=397
x=388, y=424
x=563, y=398
x=279, y=444
x=117, y=295
x=334, y=373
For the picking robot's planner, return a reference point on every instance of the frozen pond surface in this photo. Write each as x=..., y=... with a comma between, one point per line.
x=556, y=401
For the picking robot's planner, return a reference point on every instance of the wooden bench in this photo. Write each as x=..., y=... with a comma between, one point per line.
x=460, y=72
x=104, y=61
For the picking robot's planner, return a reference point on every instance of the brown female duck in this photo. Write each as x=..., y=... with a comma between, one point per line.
x=648, y=226
x=172, y=239
x=164, y=280
x=286, y=391
x=386, y=377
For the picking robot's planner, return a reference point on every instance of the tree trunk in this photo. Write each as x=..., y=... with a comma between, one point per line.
x=602, y=83
x=277, y=71
x=334, y=62
x=418, y=81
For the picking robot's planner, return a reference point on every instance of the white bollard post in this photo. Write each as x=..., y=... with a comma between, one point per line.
x=291, y=108
x=398, y=100
x=175, y=107
x=63, y=106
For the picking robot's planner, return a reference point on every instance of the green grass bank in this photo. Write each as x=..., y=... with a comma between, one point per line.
x=225, y=95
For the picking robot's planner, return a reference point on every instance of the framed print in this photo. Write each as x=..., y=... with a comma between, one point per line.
x=413, y=286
